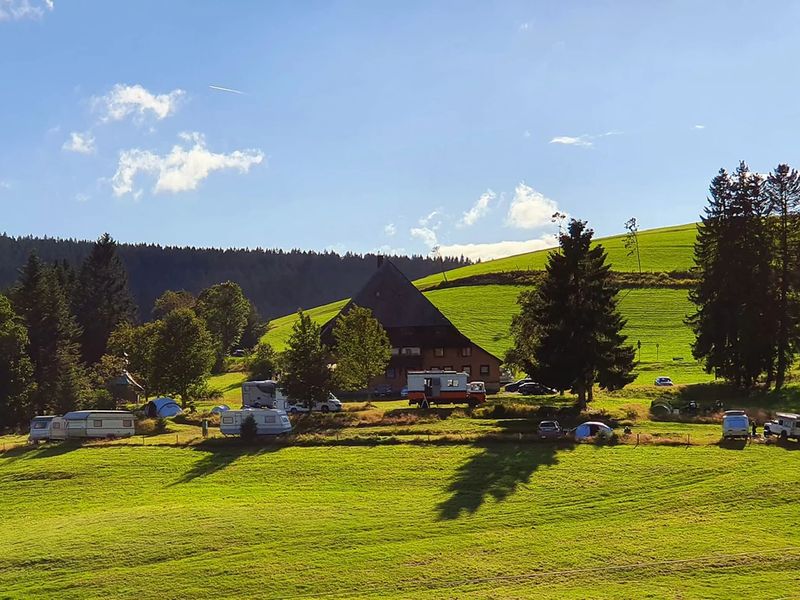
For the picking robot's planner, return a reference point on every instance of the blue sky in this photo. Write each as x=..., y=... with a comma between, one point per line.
x=374, y=125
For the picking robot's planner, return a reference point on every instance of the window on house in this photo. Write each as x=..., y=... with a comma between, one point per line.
x=391, y=373
x=98, y=422
x=452, y=383
x=447, y=368
x=466, y=351
x=467, y=369
x=395, y=351
x=438, y=351
x=436, y=369
x=484, y=369
x=412, y=351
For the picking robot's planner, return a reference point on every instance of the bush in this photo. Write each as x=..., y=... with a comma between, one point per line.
x=249, y=429
x=161, y=425
x=261, y=363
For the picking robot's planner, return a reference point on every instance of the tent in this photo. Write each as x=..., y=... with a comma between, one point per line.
x=220, y=409
x=162, y=407
x=591, y=429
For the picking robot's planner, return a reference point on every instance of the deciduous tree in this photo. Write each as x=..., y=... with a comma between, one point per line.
x=306, y=371
x=362, y=349
x=224, y=309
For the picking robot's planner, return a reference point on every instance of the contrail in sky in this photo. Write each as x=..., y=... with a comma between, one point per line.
x=224, y=89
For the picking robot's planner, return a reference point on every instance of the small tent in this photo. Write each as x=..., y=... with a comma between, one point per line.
x=591, y=429
x=162, y=407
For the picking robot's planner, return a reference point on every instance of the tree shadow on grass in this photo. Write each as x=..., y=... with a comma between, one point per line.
x=220, y=454
x=496, y=472
x=47, y=450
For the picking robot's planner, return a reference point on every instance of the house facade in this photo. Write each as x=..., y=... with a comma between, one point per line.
x=422, y=338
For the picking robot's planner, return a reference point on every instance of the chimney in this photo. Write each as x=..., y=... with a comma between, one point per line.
x=380, y=260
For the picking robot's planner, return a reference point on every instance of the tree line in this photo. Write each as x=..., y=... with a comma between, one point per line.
x=747, y=255
x=277, y=282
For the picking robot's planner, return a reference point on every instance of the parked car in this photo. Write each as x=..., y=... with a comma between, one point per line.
x=404, y=392
x=513, y=387
x=533, y=388
x=332, y=404
x=506, y=377
x=384, y=390
x=663, y=381
x=787, y=425
x=239, y=352
x=549, y=430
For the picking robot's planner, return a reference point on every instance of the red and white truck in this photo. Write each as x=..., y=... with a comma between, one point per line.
x=444, y=387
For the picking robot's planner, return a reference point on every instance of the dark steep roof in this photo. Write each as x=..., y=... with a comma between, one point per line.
x=400, y=306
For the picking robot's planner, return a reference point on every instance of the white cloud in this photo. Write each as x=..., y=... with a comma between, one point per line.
x=524, y=26
x=426, y=235
x=529, y=209
x=390, y=229
x=220, y=88
x=699, y=126
x=584, y=140
x=430, y=218
x=82, y=143
x=182, y=168
x=14, y=10
x=568, y=140
x=124, y=100
x=478, y=210
x=387, y=250
x=494, y=250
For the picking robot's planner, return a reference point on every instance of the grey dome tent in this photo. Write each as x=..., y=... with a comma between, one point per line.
x=162, y=407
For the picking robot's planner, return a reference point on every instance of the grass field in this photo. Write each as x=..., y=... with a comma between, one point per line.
x=405, y=521
x=665, y=249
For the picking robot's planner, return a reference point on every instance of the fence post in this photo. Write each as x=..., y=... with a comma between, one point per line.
x=687, y=440
x=637, y=439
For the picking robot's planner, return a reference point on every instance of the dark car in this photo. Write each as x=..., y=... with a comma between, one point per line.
x=513, y=387
x=533, y=388
x=549, y=430
x=383, y=390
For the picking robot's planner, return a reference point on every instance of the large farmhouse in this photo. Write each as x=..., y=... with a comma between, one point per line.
x=422, y=337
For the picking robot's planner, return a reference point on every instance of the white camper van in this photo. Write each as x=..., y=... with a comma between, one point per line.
x=735, y=424
x=47, y=427
x=269, y=421
x=100, y=424
x=268, y=394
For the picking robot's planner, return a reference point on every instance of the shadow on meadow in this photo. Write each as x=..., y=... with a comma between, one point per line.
x=47, y=450
x=496, y=471
x=220, y=454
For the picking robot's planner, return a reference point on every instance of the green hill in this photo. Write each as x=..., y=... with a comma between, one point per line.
x=483, y=312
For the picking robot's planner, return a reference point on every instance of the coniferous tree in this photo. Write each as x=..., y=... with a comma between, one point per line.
x=306, y=371
x=782, y=193
x=53, y=339
x=735, y=295
x=569, y=330
x=16, y=371
x=102, y=298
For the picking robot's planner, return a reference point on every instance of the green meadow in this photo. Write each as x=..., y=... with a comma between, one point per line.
x=460, y=521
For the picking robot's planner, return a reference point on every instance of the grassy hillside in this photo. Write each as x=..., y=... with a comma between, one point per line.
x=665, y=249
x=441, y=522
x=655, y=316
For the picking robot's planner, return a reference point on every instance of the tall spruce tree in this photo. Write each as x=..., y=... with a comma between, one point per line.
x=102, y=298
x=53, y=337
x=569, y=330
x=16, y=371
x=782, y=193
x=735, y=296
x=306, y=374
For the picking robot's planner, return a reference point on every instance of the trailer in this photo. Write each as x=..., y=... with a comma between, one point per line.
x=100, y=424
x=47, y=427
x=444, y=387
x=269, y=421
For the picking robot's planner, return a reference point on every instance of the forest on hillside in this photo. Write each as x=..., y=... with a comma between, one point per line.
x=276, y=281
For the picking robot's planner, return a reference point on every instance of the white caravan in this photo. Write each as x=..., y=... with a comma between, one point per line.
x=100, y=424
x=47, y=427
x=735, y=424
x=269, y=421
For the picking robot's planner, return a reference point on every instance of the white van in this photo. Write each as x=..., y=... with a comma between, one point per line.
x=735, y=424
x=268, y=394
x=100, y=424
x=269, y=421
x=47, y=427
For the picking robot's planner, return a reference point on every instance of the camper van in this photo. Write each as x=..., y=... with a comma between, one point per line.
x=269, y=421
x=268, y=394
x=100, y=424
x=787, y=425
x=735, y=424
x=47, y=427
x=444, y=387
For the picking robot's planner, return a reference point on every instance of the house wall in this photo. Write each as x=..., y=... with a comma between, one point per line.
x=448, y=358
